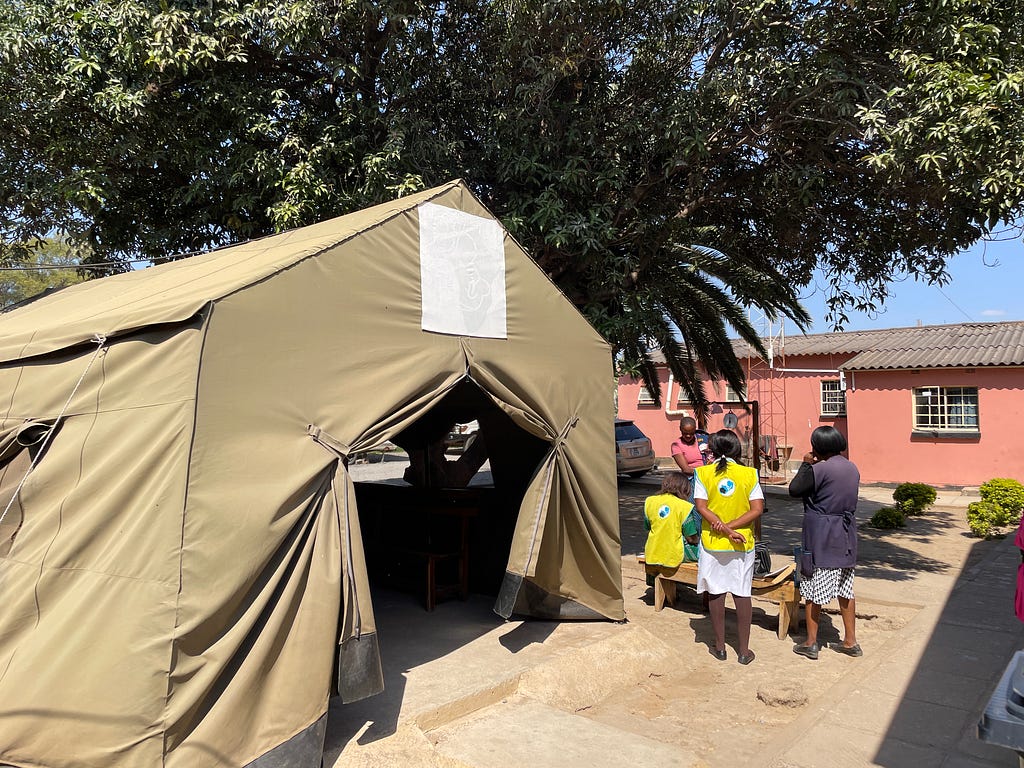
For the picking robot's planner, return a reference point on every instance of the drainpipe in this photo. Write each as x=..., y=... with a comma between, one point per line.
x=809, y=370
x=669, y=411
x=841, y=374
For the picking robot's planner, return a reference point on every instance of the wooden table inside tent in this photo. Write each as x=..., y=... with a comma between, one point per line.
x=427, y=527
x=448, y=549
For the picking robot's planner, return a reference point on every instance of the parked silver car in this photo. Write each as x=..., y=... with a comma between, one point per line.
x=634, y=455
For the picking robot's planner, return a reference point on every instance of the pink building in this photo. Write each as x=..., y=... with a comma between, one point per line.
x=936, y=404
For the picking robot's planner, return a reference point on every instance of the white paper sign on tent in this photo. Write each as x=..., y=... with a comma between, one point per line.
x=462, y=273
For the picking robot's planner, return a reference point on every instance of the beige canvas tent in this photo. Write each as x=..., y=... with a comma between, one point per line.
x=182, y=562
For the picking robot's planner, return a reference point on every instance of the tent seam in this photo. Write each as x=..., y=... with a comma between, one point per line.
x=208, y=308
x=94, y=571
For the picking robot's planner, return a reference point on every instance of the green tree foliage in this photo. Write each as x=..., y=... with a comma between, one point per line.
x=30, y=270
x=667, y=163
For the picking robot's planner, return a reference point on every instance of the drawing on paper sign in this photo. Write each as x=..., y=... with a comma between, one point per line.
x=462, y=273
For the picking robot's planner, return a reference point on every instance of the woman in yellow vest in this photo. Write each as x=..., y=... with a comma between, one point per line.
x=729, y=498
x=671, y=524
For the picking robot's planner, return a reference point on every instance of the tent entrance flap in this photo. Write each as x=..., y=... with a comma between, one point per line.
x=358, y=665
x=521, y=591
x=447, y=526
x=359, y=671
x=521, y=596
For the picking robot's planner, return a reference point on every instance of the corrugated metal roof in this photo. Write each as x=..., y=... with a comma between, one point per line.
x=965, y=345
x=962, y=345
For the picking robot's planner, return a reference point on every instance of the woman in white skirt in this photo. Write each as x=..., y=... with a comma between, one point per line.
x=729, y=499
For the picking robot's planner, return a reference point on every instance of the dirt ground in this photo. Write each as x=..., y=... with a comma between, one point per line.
x=930, y=617
x=726, y=713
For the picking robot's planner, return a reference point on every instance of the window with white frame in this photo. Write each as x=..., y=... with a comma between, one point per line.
x=833, y=398
x=645, y=397
x=683, y=399
x=946, y=409
x=730, y=395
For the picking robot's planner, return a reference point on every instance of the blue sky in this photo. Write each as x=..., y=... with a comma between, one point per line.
x=987, y=286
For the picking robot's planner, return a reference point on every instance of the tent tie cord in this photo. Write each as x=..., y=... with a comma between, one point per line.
x=100, y=340
x=564, y=434
x=329, y=442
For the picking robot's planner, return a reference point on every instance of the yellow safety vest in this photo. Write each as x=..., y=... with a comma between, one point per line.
x=665, y=514
x=729, y=498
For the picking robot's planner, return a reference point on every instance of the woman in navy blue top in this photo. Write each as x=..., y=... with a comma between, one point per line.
x=828, y=483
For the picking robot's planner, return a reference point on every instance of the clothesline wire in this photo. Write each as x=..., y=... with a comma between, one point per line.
x=90, y=265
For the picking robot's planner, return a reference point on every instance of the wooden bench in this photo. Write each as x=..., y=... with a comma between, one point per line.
x=779, y=587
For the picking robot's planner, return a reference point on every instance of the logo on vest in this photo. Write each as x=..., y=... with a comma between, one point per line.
x=663, y=511
x=726, y=487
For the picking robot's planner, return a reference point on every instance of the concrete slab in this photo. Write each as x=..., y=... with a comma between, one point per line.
x=461, y=658
x=832, y=746
x=920, y=723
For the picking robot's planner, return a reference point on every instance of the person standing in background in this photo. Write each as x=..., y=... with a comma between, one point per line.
x=687, y=451
x=828, y=483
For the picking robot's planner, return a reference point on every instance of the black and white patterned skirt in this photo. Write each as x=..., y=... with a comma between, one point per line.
x=827, y=584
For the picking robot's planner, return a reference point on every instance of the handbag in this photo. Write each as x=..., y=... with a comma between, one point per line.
x=806, y=563
x=762, y=558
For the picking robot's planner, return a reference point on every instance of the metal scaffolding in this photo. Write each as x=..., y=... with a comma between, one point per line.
x=766, y=390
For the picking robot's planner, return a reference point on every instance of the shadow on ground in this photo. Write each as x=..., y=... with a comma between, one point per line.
x=424, y=664
x=409, y=637
x=936, y=713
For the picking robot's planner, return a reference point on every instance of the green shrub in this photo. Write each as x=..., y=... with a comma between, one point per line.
x=1002, y=501
x=1005, y=493
x=913, y=498
x=985, y=518
x=888, y=517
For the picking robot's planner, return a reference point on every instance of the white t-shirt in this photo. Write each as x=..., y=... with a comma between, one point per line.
x=700, y=492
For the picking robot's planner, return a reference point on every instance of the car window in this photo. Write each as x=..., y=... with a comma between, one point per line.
x=628, y=432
